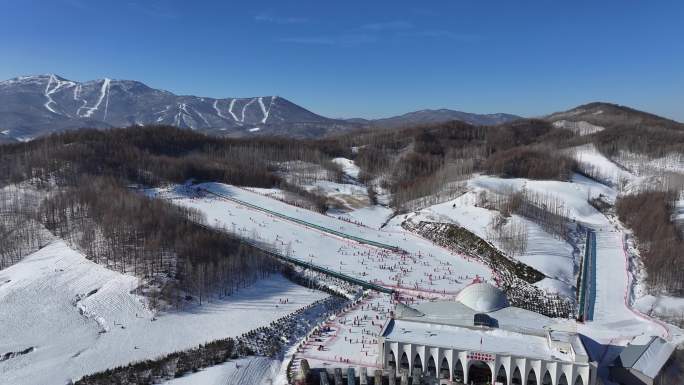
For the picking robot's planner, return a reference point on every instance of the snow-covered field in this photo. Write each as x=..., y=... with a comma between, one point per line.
x=602, y=167
x=664, y=306
x=80, y=317
x=431, y=269
x=73, y=317
x=348, y=167
x=614, y=320
x=371, y=216
x=250, y=370
x=428, y=269
x=546, y=253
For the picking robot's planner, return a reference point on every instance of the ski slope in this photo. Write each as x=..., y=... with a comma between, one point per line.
x=545, y=252
x=427, y=268
x=614, y=318
x=605, y=169
x=80, y=317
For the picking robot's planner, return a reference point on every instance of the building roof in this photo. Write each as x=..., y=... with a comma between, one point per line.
x=646, y=354
x=457, y=314
x=482, y=297
x=487, y=340
x=512, y=330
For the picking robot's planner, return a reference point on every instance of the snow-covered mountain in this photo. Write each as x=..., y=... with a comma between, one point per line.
x=31, y=106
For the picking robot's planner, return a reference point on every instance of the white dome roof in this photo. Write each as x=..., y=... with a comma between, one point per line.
x=482, y=297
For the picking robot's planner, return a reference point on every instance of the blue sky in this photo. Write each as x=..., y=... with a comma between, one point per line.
x=365, y=58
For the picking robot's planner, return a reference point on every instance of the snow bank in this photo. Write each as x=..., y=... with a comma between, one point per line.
x=82, y=318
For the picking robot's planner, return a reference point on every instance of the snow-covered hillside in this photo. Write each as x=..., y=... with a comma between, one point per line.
x=601, y=168
x=580, y=128
x=615, y=281
x=545, y=252
x=76, y=317
x=251, y=370
x=32, y=106
x=432, y=268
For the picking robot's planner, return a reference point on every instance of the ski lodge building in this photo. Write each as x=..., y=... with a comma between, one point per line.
x=480, y=339
x=645, y=361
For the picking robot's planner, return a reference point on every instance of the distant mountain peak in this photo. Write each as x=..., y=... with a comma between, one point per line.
x=607, y=114
x=31, y=106
x=436, y=116
x=34, y=105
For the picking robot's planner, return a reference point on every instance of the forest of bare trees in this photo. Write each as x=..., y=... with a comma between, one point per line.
x=429, y=161
x=547, y=210
x=21, y=233
x=649, y=214
x=152, y=238
x=419, y=166
x=81, y=189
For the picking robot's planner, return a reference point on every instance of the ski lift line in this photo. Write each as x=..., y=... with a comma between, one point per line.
x=587, y=292
x=307, y=224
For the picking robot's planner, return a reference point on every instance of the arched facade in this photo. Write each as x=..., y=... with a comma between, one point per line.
x=458, y=374
x=501, y=375
x=532, y=378
x=444, y=368
x=454, y=363
x=431, y=369
x=516, y=377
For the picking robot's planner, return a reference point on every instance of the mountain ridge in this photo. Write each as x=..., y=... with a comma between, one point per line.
x=36, y=105
x=31, y=106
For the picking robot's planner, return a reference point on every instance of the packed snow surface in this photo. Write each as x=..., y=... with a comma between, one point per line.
x=250, y=370
x=80, y=317
x=427, y=268
x=350, y=338
x=373, y=216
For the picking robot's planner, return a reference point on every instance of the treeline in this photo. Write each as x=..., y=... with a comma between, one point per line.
x=635, y=131
x=540, y=162
x=20, y=232
x=546, y=210
x=152, y=239
x=84, y=175
x=649, y=214
x=430, y=160
x=152, y=155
